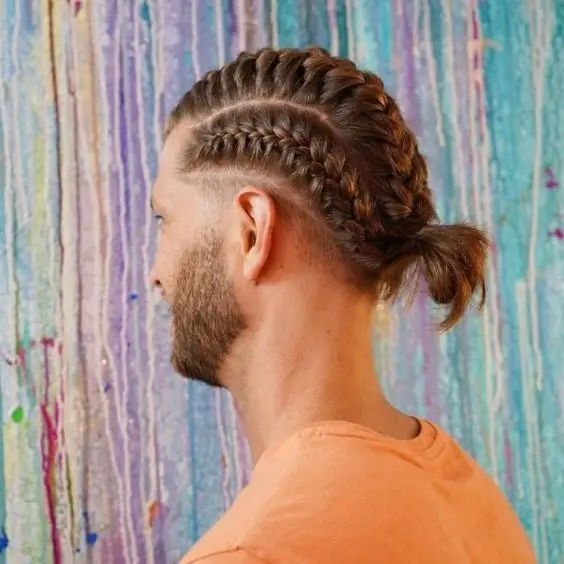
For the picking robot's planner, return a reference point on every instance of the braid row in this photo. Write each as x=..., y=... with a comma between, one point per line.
x=372, y=203
x=271, y=137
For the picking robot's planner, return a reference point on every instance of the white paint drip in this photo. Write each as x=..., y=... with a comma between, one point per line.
x=121, y=405
x=473, y=79
x=102, y=282
x=274, y=23
x=542, y=29
x=529, y=404
x=349, y=10
x=144, y=394
x=333, y=26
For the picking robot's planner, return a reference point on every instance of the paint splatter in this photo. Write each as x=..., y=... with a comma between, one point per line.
x=91, y=538
x=18, y=414
x=4, y=541
x=153, y=510
x=10, y=359
x=551, y=182
x=557, y=233
x=76, y=6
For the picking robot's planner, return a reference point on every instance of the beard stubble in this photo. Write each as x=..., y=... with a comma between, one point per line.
x=206, y=318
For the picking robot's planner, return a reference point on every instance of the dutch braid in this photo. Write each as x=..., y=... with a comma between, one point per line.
x=299, y=147
x=333, y=132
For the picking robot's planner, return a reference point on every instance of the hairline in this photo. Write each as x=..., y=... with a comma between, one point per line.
x=220, y=184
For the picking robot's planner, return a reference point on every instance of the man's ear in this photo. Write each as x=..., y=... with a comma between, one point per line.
x=256, y=212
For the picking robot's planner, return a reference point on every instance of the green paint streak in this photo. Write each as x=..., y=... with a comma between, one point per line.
x=18, y=414
x=74, y=540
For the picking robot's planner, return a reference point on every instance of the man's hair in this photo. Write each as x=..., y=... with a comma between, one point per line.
x=330, y=140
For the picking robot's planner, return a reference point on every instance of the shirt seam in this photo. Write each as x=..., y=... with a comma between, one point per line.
x=232, y=550
x=428, y=451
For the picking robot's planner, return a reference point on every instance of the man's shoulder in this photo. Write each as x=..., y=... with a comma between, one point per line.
x=318, y=485
x=343, y=456
x=345, y=497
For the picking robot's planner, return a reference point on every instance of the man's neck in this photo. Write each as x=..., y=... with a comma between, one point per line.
x=312, y=364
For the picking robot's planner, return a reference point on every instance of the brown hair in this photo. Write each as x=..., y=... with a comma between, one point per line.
x=332, y=133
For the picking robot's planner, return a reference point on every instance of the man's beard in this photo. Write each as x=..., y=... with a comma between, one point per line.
x=206, y=318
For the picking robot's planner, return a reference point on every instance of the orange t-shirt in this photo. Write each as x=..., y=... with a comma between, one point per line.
x=337, y=493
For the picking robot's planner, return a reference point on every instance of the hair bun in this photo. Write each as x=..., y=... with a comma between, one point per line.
x=453, y=261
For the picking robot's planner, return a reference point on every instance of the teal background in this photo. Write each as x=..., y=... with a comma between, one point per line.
x=107, y=456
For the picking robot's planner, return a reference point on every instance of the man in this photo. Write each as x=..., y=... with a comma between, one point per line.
x=292, y=197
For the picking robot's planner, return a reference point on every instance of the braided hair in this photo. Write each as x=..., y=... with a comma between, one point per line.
x=332, y=134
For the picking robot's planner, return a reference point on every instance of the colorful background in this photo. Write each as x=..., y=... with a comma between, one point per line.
x=106, y=455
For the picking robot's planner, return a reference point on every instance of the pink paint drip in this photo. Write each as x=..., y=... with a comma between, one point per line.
x=76, y=6
x=49, y=435
x=475, y=37
x=481, y=105
x=22, y=361
x=477, y=64
x=429, y=368
x=48, y=449
x=551, y=182
x=478, y=68
x=48, y=453
x=45, y=342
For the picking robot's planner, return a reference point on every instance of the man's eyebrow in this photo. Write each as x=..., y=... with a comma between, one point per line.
x=153, y=204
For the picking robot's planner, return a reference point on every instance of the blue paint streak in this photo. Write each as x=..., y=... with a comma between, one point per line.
x=91, y=538
x=4, y=542
x=291, y=23
x=145, y=13
x=341, y=16
x=318, y=25
x=192, y=449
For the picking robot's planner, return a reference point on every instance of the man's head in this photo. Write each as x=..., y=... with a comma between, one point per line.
x=286, y=161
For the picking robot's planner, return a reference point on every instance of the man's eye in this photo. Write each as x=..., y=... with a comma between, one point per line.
x=159, y=220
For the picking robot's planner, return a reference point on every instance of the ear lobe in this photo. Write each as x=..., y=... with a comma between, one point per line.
x=258, y=215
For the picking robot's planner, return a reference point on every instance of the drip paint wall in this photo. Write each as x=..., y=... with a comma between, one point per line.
x=105, y=454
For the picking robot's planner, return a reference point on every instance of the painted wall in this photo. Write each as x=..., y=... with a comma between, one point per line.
x=106, y=455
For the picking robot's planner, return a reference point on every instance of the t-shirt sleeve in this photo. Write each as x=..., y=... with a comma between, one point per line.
x=237, y=556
